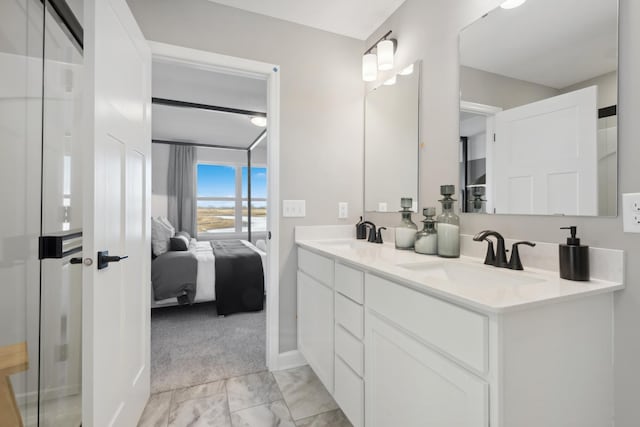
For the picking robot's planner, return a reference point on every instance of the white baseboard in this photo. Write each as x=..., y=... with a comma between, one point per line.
x=290, y=359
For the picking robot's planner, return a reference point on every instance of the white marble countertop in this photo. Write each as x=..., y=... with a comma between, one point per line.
x=488, y=296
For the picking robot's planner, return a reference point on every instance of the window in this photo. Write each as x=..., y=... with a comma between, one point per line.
x=222, y=198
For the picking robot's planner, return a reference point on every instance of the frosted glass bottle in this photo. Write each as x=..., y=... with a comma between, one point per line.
x=427, y=239
x=448, y=225
x=406, y=230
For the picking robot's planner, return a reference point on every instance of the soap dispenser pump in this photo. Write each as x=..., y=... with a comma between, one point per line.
x=574, y=258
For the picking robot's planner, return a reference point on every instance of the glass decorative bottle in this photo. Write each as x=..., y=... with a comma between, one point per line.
x=448, y=225
x=406, y=230
x=427, y=239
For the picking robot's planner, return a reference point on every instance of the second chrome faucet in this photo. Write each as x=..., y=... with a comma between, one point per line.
x=498, y=258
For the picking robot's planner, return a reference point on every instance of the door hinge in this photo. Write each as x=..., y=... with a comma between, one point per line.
x=494, y=137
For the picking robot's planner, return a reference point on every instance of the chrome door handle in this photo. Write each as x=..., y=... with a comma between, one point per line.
x=104, y=259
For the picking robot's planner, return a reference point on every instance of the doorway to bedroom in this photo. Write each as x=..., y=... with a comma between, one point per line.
x=212, y=183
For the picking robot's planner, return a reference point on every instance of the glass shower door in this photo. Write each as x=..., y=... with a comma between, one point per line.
x=61, y=275
x=21, y=54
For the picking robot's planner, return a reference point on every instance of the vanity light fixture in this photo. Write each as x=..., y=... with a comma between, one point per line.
x=512, y=4
x=382, y=59
x=369, y=67
x=261, y=122
x=406, y=71
x=385, y=55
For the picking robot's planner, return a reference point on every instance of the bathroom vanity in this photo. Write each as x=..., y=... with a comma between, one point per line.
x=402, y=339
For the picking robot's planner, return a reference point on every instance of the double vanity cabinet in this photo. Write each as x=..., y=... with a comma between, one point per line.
x=395, y=350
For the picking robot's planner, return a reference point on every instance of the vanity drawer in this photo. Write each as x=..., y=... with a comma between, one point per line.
x=461, y=333
x=349, y=393
x=350, y=282
x=350, y=349
x=316, y=266
x=350, y=316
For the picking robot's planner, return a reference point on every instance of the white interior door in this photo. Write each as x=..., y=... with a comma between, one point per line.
x=117, y=214
x=545, y=156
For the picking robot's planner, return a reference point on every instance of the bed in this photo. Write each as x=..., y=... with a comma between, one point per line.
x=200, y=254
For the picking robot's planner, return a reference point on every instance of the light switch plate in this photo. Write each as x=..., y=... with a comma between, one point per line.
x=631, y=212
x=343, y=210
x=293, y=208
x=382, y=206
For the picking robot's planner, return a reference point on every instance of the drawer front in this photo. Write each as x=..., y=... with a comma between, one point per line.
x=456, y=331
x=349, y=393
x=350, y=282
x=350, y=349
x=350, y=316
x=316, y=266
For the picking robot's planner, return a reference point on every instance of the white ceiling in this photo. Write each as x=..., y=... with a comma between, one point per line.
x=181, y=83
x=555, y=43
x=351, y=18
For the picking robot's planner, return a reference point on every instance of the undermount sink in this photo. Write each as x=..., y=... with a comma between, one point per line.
x=462, y=273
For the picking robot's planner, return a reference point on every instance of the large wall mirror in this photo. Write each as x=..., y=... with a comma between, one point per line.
x=538, y=121
x=391, y=142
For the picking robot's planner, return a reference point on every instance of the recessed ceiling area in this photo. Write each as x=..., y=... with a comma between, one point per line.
x=352, y=18
x=182, y=83
x=548, y=42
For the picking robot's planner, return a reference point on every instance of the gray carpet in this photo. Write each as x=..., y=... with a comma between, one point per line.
x=191, y=345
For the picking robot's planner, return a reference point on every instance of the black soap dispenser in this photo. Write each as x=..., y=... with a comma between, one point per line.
x=574, y=258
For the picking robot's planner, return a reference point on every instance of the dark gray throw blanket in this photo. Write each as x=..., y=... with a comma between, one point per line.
x=174, y=275
x=239, y=277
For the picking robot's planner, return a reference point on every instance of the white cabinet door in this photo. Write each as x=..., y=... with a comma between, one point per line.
x=408, y=384
x=315, y=327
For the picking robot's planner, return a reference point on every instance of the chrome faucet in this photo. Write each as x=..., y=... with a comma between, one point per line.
x=497, y=258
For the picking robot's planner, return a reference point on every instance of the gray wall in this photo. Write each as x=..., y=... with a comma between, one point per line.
x=500, y=91
x=428, y=30
x=321, y=110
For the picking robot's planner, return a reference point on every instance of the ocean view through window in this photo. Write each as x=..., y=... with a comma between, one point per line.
x=222, y=198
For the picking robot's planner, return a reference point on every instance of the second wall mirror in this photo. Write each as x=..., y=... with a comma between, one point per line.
x=391, y=142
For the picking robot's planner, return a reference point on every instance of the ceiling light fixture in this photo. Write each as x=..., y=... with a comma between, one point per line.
x=382, y=59
x=512, y=4
x=406, y=71
x=259, y=121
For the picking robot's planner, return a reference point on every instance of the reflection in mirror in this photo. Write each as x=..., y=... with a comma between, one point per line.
x=391, y=142
x=538, y=121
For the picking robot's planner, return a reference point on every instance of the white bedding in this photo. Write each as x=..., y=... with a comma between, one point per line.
x=206, y=279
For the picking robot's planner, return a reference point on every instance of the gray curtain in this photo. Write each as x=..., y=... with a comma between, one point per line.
x=182, y=189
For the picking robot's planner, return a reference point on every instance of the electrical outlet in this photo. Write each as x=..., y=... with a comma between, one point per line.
x=631, y=212
x=382, y=207
x=343, y=210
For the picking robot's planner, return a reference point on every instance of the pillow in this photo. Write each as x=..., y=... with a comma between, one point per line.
x=185, y=234
x=160, y=235
x=179, y=243
x=159, y=247
x=166, y=223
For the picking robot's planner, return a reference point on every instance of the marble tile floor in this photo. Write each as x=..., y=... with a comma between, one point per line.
x=291, y=398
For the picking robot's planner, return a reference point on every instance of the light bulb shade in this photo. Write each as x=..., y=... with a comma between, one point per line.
x=385, y=55
x=259, y=121
x=390, y=82
x=369, y=67
x=512, y=4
